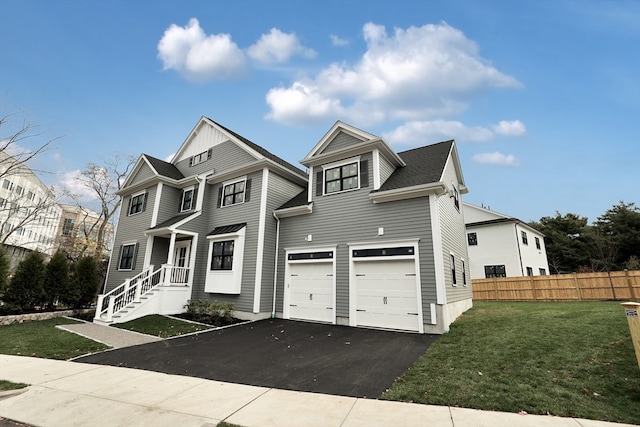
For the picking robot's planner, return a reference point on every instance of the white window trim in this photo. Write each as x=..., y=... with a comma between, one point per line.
x=226, y=281
x=184, y=192
x=230, y=182
x=122, y=245
x=134, y=195
x=333, y=165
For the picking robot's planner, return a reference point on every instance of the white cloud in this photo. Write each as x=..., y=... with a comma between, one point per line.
x=72, y=182
x=197, y=56
x=431, y=131
x=300, y=104
x=421, y=72
x=277, y=47
x=514, y=128
x=495, y=158
x=337, y=41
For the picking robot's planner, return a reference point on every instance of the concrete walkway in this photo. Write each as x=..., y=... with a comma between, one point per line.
x=113, y=337
x=76, y=394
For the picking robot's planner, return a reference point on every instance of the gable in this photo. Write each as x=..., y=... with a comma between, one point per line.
x=142, y=173
x=201, y=139
x=340, y=141
x=474, y=214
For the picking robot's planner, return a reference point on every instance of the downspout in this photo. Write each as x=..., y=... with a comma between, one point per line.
x=275, y=269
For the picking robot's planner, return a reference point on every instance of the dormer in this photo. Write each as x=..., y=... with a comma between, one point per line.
x=339, y=162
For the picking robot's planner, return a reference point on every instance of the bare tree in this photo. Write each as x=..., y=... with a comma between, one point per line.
x=103, y=182
x=28, y=209
x=17, y=144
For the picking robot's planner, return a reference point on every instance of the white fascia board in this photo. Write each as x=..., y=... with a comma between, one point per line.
x=438, y=255
x=255, y=166
x=413, y=192
x=294, y=211
x=354, y=150
x=153, y=180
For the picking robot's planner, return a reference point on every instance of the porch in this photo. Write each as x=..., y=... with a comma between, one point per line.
x=164, y=290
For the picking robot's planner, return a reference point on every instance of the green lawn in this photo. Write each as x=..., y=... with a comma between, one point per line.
x=8, y=385
x=567, y=359
x=161, y=326
x=43, y=339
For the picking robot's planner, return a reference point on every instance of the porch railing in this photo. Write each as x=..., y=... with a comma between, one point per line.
x=133, y=289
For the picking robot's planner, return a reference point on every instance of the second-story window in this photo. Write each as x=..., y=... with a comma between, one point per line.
x=137, y=203
x=525, y=240
x=187, y=200
x=233, y=193
x=341, y=178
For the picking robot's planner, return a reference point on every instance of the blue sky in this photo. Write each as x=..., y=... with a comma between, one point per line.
x=542, y=97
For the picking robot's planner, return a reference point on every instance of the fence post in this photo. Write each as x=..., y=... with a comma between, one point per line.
x=495, y=287
x=575, y=281
x=613, y=289
x=533, y=288
x=99, y=306
x=632, y=310
x=631, y=291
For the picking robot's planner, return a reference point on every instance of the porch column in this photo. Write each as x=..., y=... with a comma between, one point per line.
x=172, y=248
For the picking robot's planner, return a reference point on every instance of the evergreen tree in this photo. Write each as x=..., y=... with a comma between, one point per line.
x=4, y=271
x=26, y=289
x=57, y=278
x=616, y=236
x=86, y=281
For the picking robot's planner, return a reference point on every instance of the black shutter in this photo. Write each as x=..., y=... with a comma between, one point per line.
x=194, y=197
x=364, y=173
x=247, y=191
x=190, y=161
x=129, y=206
x=135, y=254
x=209, y=153
x=120, y=257
x=220, y=196
x=180, y=201
x=319, y=183
x=144, y=203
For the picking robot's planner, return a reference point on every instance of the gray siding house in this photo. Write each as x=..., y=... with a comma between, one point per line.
x=369, y=238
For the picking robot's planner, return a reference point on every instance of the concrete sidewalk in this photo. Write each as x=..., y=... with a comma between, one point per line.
x=77, y=394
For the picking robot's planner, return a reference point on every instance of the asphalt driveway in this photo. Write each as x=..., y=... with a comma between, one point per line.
x=282, y=354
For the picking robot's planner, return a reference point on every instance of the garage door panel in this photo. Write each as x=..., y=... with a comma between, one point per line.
x=386, y=294
x=311, y=291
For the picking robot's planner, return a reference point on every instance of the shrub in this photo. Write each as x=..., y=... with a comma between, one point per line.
x=26, y=288
x=57, y=278
x=215, y=313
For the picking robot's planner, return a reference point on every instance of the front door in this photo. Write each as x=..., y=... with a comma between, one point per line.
x=180, y=274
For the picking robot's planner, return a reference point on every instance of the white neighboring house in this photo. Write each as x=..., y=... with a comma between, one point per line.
x=29, y=214
x=502, y=246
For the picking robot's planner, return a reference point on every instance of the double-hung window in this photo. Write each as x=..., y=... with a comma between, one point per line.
x=453, y=270
x=494, y=271
x=127, y=256
x=187, y=199
x=525, y=240
x=537, y=243
x=137, y=202
x=472, y=239
x=341, y=178
x=222, y=258
x=234, y=193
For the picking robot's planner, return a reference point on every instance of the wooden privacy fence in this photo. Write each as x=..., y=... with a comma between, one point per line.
x=617, y=285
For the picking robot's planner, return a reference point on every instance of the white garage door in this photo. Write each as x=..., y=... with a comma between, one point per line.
x=386, y=294
x=311, y=291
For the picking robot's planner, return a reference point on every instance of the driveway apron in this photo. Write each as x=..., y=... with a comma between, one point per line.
x=282, y=354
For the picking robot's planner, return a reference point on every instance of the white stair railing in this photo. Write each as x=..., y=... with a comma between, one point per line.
x=133, y=289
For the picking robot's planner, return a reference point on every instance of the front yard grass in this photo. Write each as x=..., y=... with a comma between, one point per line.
x=571, y=359
x=161, y=326
x=43, y=339
x=8, y=385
